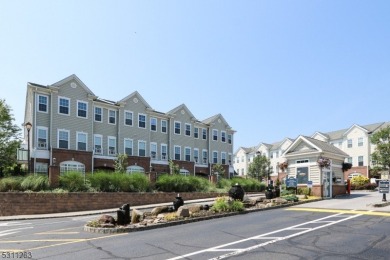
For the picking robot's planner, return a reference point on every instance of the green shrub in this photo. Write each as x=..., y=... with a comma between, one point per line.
x=360, y=183
x=135, y=182
x=199, y=184
x=236, y=205
x=220, y=205
x=11, y=184
x=287, y=192
x=73, y=181
x=223, y=204
x=102, y=181
x=224, y=184
x=172, y=183
x=35, y=183
x=249, y=185
x=291, y=198
x=119, y=182
x=304, y=191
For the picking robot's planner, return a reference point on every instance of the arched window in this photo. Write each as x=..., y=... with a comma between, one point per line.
x=72, y=166
x=184, y=172
x=135, y=169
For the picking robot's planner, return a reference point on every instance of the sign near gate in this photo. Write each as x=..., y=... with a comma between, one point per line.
x=291, y=182
x=383, y=186
x=310, y=184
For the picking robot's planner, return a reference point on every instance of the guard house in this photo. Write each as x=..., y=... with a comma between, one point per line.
x=321, y=163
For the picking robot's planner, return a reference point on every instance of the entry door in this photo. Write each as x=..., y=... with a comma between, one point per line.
x=327, y=184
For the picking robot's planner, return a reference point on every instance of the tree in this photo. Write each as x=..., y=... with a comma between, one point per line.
x=381, y=155
x=218, y=169
x=121, y=163
x=9, y=139
x=174, y=168
x=260, y=167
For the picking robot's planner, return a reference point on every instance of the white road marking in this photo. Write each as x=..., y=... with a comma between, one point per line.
x=323, y=222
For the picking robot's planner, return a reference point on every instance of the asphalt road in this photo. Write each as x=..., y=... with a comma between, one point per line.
x=309, y=231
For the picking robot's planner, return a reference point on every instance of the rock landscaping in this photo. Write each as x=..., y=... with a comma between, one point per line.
x=163, y=216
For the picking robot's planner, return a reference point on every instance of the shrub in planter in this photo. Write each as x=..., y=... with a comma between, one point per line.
x=35, y=183
x=73, y=181
x=11, y=184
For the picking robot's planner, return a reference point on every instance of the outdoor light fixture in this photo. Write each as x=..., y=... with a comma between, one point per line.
x=28, y=126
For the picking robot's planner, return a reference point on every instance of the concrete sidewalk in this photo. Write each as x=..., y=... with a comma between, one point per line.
x=357, y=200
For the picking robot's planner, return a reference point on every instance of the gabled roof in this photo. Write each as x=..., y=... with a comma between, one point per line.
x=325, y=136
x=317, y=146
x=212, y=119
x=180, y=107
x=75, y=78
x=335, y=135
x=137, y=95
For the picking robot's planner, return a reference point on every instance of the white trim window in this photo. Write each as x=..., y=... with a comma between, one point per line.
x=42, y=136
x=111, y=117
x=349, y=160
x=98, y=114
x=230, y=138
x=223, y=158
x=204, y=133
x=164, y=152
x=71, y=166
x=196, y=155
x=164, y=126
x=360, y=141
x=187, y=153
x=223, y=136
x=63, y=106
x=153, y=124
x=141, y=148
x=177, y=150
x=153, y=151
x=215, y=135
x=196, y=132
x=98, y=144
x=111, y=145
x=82, y=109
x=63, y=139
x=349, y=143
x=188, y=129
x=215, y=157
x=81, y=141
x=141, y=120
x=42, y=103
x=128, y=118
x=41, y=168
x=177, y=127
x=230, y=159
x=128, y=146
x=360, y=161
x=204, y=156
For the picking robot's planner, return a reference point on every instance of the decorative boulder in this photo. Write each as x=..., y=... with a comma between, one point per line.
x=183, y=212
x=160, y=209
x=106, y=219
x=136, y=216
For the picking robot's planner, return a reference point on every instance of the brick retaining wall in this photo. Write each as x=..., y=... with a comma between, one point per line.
x=19, y=203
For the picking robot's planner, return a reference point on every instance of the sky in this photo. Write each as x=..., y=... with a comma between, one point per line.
x=273, y=68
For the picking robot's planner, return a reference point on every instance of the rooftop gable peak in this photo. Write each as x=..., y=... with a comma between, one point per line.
x=74, y=78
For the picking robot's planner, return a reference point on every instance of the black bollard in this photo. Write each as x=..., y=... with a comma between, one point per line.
x=178, y=202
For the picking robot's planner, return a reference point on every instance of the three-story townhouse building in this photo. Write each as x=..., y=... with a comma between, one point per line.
x=76, y=130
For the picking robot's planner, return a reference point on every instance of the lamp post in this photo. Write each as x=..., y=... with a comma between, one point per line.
x=28, y=126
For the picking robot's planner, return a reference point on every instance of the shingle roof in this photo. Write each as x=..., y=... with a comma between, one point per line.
x=326, y=147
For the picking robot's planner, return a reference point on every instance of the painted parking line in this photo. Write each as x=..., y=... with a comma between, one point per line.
x=234, y=248
x=360, y=212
